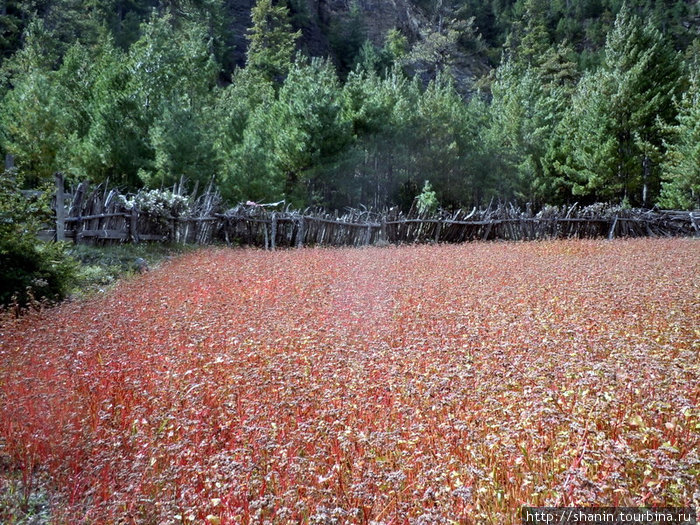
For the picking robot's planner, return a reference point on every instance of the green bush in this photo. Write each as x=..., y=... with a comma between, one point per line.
x=427, y=200
x=30, y=270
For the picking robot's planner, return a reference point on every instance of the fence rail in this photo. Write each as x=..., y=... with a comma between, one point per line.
x=99, y=215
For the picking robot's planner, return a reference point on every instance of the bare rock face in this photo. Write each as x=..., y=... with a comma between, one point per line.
x=314, y=17
x=317, y=17
x=240, y=13
x=379, y=16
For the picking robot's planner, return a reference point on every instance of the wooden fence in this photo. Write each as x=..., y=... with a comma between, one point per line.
x=100, y=215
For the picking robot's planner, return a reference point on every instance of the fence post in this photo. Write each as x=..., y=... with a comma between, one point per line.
x=300, y=232
x=382, y=230
x=692, y=223
x=133, y=225
x=273, y=231
x=264, y=223
x=611, y=235
x=60, y=208
x=438, y=230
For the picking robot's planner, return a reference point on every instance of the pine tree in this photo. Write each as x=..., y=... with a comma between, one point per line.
x=310, y=130
x=618, y=111
x=681, y=167
x=271, y=41
x=535, y=40
x=114, y=146
x=171, y=74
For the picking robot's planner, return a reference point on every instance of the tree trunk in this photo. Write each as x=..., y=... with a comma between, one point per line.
x=646, y=166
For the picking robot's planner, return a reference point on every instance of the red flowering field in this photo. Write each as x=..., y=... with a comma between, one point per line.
x=421, y=384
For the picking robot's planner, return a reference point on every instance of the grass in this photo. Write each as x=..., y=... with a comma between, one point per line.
x=102, y=266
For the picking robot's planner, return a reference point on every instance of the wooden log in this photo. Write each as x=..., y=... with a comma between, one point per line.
x=487, y=231
x=76, y=207
x=265, y=235
x=152, y=237
x=103, y=234
x=693, y=224
x=96, y=211
x=101, y=216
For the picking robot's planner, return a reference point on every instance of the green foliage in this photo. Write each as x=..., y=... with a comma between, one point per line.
x=39, y=115
x=404, y=134
x=307, y=115
x=136, y=118
x=443, y=46
x=395, y=45
x=29, y=270
x=427, y=199
x=114, y=146
x=239, y=116
x=681, y=186
x=618, y=112
x=347, y=37
x=529, y=103
x=134, y=92
x=529, y=39
x=35, y=124
x=271, y=40
x=289, y=141
x=101, y=266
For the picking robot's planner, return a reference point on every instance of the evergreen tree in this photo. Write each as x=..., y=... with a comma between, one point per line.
x=172, y=72
x=529, y=39
x=271, y=41
x=370, y=172
x=439, y=143
x=530, y=97
x=114, y=146
x=617, y=111
x=347, y=36
x=681, y=167
x=443, y=45
x=309, y=129
x=11, y=27
x=289, y=140
x=38, y=115
x=235, y=146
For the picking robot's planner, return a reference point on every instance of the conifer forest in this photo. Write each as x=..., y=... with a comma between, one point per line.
x=336, y=104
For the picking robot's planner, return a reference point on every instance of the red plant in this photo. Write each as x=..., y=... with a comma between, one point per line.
x=428, y=384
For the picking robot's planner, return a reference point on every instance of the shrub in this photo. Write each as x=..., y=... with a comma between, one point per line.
x=157, y=203
x=427, y=200
x=29, y=269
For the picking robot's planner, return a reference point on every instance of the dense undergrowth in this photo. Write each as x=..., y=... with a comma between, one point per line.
x=102, y=266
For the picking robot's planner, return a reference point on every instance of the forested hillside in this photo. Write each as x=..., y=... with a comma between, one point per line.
x=337, y=103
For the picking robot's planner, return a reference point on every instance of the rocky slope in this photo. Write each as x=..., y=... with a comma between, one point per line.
x=318, y=19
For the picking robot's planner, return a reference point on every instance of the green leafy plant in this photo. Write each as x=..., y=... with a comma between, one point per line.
x=30, y=270
x=427, y=199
